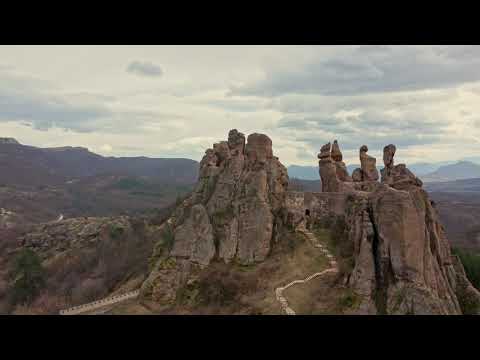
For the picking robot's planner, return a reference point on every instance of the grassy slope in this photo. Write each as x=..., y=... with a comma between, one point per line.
x=234, y=289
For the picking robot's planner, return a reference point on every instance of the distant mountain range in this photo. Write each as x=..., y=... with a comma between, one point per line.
x=458, y=171
x=33, y=166
x=428, y=172
x=39, y=184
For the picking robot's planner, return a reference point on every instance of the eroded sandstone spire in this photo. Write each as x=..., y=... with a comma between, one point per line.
x=402, y=258
x=231, y=215
x=396, y=176
x=332, y=169
x=368, y=165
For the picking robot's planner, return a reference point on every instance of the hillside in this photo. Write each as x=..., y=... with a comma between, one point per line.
x=245, y=240
x=22, y=165
x=38, y=185
x=458, y=203
x=458, y=171
x=392, y=255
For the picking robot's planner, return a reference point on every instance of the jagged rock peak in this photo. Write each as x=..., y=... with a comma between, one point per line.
x=388, y=154
x=397, y=176
x=233, y=213
x=368, y=165
x=336, y=153
x=333, y=171
x=325, y=151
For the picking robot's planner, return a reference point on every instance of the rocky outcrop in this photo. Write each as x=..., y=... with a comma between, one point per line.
x=232, y=214
x=404, y=261
x=396, y=176
x=76, y=233
x=83, y=258
x=402, y=257
x=9, y=219
x=368, y=169
x=333, y=171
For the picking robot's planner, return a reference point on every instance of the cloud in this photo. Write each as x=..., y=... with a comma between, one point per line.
x=106, y=148
x=145, y=68
x=362, y=70
x=422, y=98
x=35, y=103
x=44, y=112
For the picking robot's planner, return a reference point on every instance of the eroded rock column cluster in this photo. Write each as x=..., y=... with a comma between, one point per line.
x=402, y=258
x=333, y=172
x=232, y=214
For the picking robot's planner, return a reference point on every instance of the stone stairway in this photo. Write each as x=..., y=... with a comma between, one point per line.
x=76, y=310
x=332, y=269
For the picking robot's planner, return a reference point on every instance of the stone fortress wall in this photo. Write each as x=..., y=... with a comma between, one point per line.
x=316, y=205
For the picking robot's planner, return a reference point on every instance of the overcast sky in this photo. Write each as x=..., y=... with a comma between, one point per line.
x=175, y=101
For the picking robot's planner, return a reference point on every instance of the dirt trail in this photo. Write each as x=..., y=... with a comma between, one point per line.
x=333, y=269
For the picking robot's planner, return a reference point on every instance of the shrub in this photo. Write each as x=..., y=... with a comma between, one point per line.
x=349, y=300
x=28, y=277
x=471, y=264
x=116, y=231
x=162, y=247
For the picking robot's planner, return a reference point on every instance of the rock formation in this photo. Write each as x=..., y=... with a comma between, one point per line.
x=402, y=259
x=332, y=169
x=400, y=263
x=232, y=214
x=396, y=176
x=368, y=170
x=403, y=262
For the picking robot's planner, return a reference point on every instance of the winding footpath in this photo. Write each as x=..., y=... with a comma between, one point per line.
x=80, y=309
x=332, y=269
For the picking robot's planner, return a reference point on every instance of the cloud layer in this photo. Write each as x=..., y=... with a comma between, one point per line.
x=368, y=69
x=424, y=99
x=144, y=68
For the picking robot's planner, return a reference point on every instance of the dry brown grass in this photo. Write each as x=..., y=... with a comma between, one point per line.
x=235, y=289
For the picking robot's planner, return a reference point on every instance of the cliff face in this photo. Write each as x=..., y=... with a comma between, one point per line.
x=84, y=259
x=400, y=257
x=403, y=262
x=232, y=214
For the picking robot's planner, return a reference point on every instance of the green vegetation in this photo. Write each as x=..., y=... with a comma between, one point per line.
x=469, y=304
x=348, y=301
x=116, y=231
x=162, y=247
x=129, y=183
x=471, y=264
x=332, y=234
x=28, y=277
x=141, y=187
x=147, y=193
